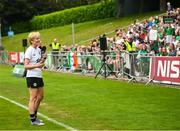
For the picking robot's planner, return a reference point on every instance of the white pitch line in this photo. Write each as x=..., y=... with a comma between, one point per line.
x=40, y=114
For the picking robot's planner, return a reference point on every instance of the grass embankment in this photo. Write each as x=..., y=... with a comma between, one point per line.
x=83, y=31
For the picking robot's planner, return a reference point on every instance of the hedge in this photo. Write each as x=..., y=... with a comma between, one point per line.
x=21, y=27
x=76, y=15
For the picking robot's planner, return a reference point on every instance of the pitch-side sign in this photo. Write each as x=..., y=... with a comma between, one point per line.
x=16, y=57
x=165, y=69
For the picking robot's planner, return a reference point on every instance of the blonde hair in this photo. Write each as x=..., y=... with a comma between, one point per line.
x=33, y=35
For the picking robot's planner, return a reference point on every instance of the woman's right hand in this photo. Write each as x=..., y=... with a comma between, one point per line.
x=40, y=65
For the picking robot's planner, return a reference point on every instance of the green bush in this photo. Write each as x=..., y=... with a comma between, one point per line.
x=76, y=15
x=21, y=27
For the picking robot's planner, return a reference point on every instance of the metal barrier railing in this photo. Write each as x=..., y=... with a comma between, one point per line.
x=139, y=65
x=3, y=57
x=133, y=66
x=85, y=62
x=123, y=64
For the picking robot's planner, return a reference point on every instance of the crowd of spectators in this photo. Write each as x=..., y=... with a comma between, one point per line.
x=158, y=35
x=154, y=35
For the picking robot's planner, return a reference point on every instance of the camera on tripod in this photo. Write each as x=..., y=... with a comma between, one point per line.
x=103, y=42
x=24, y=44
x=105, y=69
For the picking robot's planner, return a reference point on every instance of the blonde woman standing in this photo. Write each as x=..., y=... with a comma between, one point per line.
x=33, y=64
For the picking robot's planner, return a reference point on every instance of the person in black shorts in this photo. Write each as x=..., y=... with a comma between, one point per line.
x=33, y=64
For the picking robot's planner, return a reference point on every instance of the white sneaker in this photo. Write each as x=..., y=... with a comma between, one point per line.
x=37, y=122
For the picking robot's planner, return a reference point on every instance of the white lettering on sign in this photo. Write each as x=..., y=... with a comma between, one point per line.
x=168, y=69
x=175, y=69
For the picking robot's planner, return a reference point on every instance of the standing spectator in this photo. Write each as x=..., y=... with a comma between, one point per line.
x=131, y=48
x=160, y=36
x=156, y=20
x=143, y=35
x=169, y=31
x=55, y=52
x=169, y=8
x=153, y=39
x=142, y=59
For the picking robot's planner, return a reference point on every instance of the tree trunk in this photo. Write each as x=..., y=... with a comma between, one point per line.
x=120, y=7
x=141, y=6
x=162, y=5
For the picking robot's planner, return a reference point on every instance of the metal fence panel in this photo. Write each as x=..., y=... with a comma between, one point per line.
x=3, y=57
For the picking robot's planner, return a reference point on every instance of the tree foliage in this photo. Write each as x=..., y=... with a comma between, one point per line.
x=15, y=11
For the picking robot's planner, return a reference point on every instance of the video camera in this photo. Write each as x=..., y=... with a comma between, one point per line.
x=103, y=42
x=43, y=51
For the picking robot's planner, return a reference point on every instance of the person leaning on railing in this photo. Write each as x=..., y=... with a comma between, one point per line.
x=130, y=48
x=142, y=59
x=130, y=45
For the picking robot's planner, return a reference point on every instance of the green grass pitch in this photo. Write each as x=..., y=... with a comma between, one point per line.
x=87, y=103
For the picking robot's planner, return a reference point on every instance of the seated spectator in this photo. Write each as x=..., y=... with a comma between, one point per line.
x=163, y=52
x=178, y=49
x=172, y=51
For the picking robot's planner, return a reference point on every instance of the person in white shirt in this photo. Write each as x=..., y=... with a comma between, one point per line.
x=33, y=64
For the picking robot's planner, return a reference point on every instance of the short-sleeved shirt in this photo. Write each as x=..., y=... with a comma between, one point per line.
x=169, y=31
x=34, y=56
x=178, y=37
x=153, y=34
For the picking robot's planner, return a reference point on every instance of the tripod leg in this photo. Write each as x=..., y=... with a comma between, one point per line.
x=99, y=70
x=105, y=71
x=111, y=71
